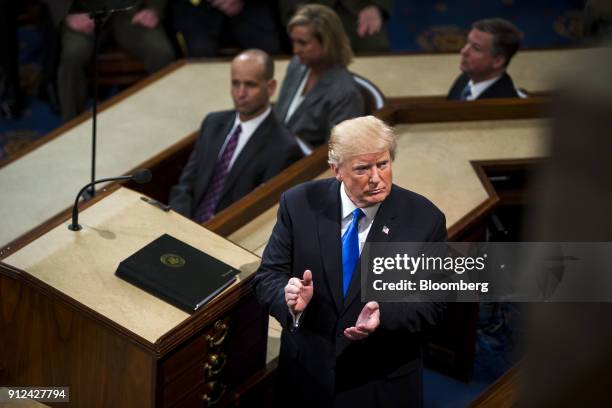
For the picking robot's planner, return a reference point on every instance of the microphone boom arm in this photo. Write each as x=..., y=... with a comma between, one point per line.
x=140, y=176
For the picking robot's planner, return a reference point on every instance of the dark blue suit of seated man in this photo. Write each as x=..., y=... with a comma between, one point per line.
x=490, y=46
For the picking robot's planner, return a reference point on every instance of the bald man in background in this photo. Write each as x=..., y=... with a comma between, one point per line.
x=239, y=149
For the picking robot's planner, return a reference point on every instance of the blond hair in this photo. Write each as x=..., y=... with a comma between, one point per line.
x=328, y=29
x=366, y=134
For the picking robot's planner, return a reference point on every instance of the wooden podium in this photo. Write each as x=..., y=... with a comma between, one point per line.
x=67, y=320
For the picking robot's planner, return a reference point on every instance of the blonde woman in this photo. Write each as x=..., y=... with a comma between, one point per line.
x=318, y=91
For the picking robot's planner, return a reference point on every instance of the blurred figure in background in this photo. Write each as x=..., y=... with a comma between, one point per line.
x=597, y=18
x=11, y=103
x=569, y=351
x=318, y=91
x=138, y=31
x=490, y=46
x=363, y=21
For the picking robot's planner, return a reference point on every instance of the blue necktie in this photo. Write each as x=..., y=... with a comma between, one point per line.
x=350, y=250
x=466, y=93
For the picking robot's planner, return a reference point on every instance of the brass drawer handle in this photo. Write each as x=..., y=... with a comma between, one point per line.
x=216, y=392
x=222, y=330
x=215, y=364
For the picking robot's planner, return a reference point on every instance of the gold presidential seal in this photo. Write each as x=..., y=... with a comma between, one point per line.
x=172, y=260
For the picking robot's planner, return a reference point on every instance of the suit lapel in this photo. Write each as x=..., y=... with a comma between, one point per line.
x=503, y=87
x=317, y=92
x=462, y=81
x=328, y=228
x=210, y=154
x=382, y=230
x=293, y=83
x=310, y=100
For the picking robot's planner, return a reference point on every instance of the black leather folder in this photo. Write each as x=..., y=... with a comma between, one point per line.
x=177, y=273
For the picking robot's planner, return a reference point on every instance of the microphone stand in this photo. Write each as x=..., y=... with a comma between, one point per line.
x=99, y=11
x=99, y=17
x=74, y=225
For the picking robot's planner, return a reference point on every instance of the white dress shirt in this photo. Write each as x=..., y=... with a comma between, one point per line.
x=477, y=89
x=297, y=98
x=365, y=223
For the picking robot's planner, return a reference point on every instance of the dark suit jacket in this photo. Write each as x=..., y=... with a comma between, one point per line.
x=502, y=88
x=318, y=365
x=334, y=98
x=269, y=150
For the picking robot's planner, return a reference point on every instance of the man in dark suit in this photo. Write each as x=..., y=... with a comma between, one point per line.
x=239, y=149
x=337, y=350
x=490, y=46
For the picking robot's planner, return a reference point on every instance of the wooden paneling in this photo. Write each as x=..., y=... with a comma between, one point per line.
x=50, y=339
x=503, y=393
x=432, y=109
x=47, y=342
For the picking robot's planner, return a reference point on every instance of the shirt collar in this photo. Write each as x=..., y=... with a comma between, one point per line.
x=348, y=206
x=480, y=87
x=250, y=125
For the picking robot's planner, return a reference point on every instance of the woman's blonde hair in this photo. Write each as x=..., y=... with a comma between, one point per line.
x=328, y=29
x=366, y=134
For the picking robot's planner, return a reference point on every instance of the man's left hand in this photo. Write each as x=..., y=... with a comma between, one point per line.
x=369, y=21
x=147, y=18
x=367, y=322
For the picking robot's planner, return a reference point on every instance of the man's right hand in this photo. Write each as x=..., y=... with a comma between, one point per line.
x=298, y=292
x=81, y=23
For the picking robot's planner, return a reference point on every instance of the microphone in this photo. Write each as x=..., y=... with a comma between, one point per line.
x=140, y=176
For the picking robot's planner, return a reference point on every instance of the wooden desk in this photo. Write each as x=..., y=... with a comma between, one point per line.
x=503, y=393
x=67, y=320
